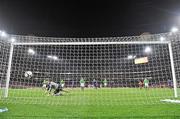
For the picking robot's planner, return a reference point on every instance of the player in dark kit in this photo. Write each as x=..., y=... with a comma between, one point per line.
x=95, y=83
x=140, y=84
x=111, y=84
x=170, y=83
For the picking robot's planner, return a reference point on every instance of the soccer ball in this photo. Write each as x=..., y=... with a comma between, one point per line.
x=28, y=74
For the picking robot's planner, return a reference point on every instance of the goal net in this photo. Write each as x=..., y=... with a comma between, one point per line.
x=87, y=71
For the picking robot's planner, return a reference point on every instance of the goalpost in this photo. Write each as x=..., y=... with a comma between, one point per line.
x=173, y=70
x=114, y=70
x=92, y=43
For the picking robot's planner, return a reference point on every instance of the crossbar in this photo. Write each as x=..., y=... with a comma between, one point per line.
x=91, y=43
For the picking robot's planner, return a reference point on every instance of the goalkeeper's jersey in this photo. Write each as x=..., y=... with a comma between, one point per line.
x=53, y=84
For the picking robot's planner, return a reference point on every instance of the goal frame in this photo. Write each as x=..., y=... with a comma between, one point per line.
x=90, y=43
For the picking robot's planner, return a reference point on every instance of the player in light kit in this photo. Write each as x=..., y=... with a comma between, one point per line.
x=105, y=83
x=82, y=83
x=62, y=83
x=44, y=84
x=146, y=83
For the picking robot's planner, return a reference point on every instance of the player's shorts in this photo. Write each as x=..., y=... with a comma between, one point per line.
x=57, y=93
x=82, y=84
x=105, y=84
x=62, y=85
x=146, y=85
x=44, y=86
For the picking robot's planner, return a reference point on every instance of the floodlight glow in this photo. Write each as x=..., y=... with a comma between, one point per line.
x=49, y=56
x=162, y=38
x=31, y=51
x=174, y=30
x=147, y=50
x=3, y=34
x=13, y=40
x=130, y=57
x=55, y=58
x=52, y=57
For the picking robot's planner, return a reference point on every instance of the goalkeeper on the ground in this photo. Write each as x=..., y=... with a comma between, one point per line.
x=56, y=87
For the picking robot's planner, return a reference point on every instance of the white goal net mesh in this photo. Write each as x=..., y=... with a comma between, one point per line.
x=87, y=71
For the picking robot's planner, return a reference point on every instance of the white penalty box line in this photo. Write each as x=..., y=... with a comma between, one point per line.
x=171, y=101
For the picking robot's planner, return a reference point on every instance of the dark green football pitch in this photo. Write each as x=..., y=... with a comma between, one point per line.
x=104, y=103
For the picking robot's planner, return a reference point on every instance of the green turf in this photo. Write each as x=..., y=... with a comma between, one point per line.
x=90, y=103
